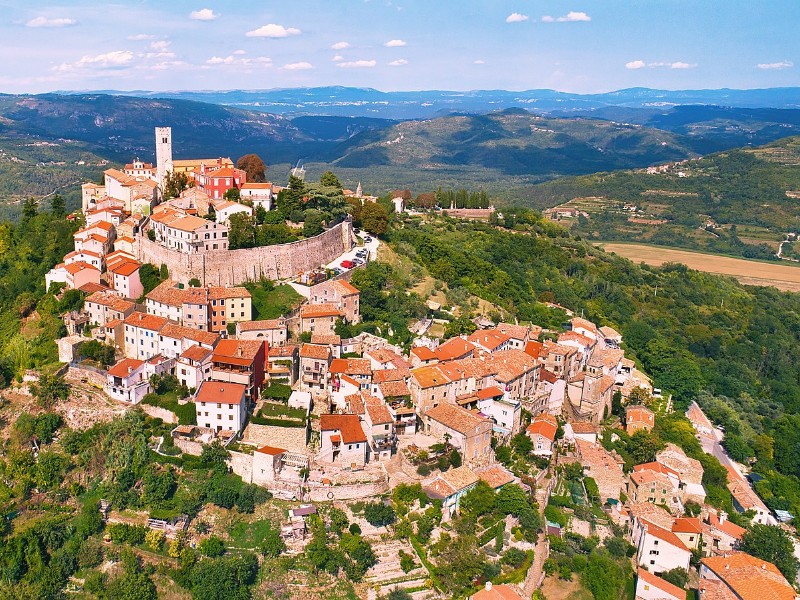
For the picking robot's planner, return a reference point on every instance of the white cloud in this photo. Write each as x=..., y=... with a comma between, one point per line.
x=357, y=64
x=681, y=65
x=574, y=16
x=110, y=60
x=298, y=66
x=340, y=45
x=635, y=64
x=398, y=63
x=161, y=46
x=784, y=64
x=571, y=17
x=204, y=14
x=141, y=37
x=273, y=31
x=640, y=64
x=218, y=60
x=516, y=18
x=239, y=52
x=479, y=62
x=338, y=58
x=395, y=43
x=47, y=22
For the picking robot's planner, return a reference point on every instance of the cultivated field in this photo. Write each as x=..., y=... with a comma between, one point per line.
x=781, y=275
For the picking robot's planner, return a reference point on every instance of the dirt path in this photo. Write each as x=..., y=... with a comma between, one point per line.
x=782, y=276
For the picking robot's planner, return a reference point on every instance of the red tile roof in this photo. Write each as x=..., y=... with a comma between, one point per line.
x=456, y=418
x=125, y=367
x=221, y=392
x=145, y=321
x=348, y=425
x=750, y=578
x=272, y=451
x=661, y=584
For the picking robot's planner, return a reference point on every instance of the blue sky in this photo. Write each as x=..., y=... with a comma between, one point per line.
x=570, y=45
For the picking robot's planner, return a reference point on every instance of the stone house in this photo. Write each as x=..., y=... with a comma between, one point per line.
x=542, y=432
x=720, y=536
x=602, y=466
x=638, y=417
x=339, y=293
x=103, y=307
x=314, y=362
x=466, y=431
x=319, y=318
x=273, y=331
x=342, y=441
x=450, y=487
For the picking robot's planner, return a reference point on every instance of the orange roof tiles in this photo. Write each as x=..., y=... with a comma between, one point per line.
x=379, y=414
x=351, y=366
x=423, y=353
x=145, y=321
x=127, y=268
x=223, y=293
x=497, y=592
x=125, y=367
x=345, y=287
x=348, y=425
x=662, y=584
x=544, y=428
x=687, y=525
x=517, y=332
x=491, y=339
x=266, y=324
x=313, y=311
x=454, y=348
x=495, y=476
x=665, y=536
x=456, y=418
x=241, y=352
x=639, y=414
x=656, y=467
x=394, y=389
x=430, y=376
x=731, y=529
x=196, y=353
x=272, y=451
x=220, y=392
x=489, y=392
x=112, y=301
x=313, y=351
x=750, y=578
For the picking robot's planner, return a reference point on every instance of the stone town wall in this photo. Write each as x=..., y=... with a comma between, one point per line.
x=159, y=413
x=348, y=492
x=242, y=465
x=233, y=267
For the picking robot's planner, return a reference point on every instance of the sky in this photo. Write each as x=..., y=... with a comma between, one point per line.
x=582, y=46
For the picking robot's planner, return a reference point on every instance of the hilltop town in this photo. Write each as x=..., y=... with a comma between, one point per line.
x=534, y=440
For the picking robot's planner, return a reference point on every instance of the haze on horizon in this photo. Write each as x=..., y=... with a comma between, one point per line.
x=582, y=46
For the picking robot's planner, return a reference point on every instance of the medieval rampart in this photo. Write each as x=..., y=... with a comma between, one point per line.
x=233, y=267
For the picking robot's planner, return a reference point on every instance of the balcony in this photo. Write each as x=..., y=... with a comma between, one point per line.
x=230, y=376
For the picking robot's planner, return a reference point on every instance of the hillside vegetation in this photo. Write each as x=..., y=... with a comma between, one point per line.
x=733, y=202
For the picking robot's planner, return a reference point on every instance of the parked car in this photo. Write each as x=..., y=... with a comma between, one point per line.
x=347, y=264
x=368, y=239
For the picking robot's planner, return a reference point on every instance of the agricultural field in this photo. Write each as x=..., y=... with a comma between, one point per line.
x=783, y=276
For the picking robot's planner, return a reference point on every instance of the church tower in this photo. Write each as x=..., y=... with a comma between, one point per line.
x=163, y=153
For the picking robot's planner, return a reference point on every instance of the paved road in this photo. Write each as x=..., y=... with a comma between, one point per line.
x=712, y=444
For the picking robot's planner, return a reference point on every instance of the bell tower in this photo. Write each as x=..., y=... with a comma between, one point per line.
x=163, y=153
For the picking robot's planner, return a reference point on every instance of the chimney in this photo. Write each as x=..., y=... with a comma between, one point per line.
x=723, y=516
x=488, y=586
x=130, y=370
x=239, y=351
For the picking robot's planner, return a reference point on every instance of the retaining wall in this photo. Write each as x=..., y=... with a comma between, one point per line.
x=159, y=413
x=233, y=267
x=348, y=492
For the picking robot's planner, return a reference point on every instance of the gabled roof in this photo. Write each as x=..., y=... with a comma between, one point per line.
x=423, y=353
x=262, y=325
x=351, y=366
x=665, y=536
x=454, y=348
x=379, y=414
x=394, y=389
x=544, y=428
x=125, y=367
x=456, y=418
x=489, y=392
x=687, y=525
x=348, y=425
x=145, y=321
x=312, y=311
x=241, y=352
x=731, y=529
x=639, y=414
x=221, y=392
x=111, y=300
x=196, y=353
x=490, y=339
x=750, y=578
x=314, y=351
x=661, y=584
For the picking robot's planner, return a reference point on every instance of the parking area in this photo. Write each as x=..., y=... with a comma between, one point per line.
x=358, y=255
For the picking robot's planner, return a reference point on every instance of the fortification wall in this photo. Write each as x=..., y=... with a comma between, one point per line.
x=233, y=267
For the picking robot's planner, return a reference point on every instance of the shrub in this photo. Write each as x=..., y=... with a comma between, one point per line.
x=354, y=529
x=514, y=557
x=378, y=514
x=406, y=561
x=423, y=470
x=212, y=546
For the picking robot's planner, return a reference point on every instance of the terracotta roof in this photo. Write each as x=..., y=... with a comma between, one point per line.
x=453, y=348
x=282, y=351
x=548, y=376
x=698, y=417
x=511, y=364
x=379, y=414
x=355, y=403
x=124, y=367
x=312, y=351
x=326, y=339
x=574, y=336
x=731, y=529
x=145, y=321
x=715, y=589
x=687, y=525
x=665, y=536
x=221, y=293
x=272, y=451
x=92, y=287
x=127, y=268
x=456, y=418
x=583, y=324
x=241, y=352
x=351, y=366
x=517, y=332
x=497, y=592
x=189, y=223
x=196, y=353
x=495, y=476
x=345, y=287
x=490, y=339
x=266, y=324
x=652, y=513
x=554, y=348
x=394, y=389
x=645, y=477
x=384, y=375
x=544, y=428
x=423, y=353
x=609, y=332
x=657, y=468
x=78, y=266
x=179, y=332
x=257, y=186
x=661, y=584
x=750, y=578
x=221, y=392
x=348, y=425
x=534, y=349
x=386, y=356
x=112, y=301
x=311, y=311
x=639, y=414
x=608, y=358
x=460, y=477
x=581, y=427
x=429, y=376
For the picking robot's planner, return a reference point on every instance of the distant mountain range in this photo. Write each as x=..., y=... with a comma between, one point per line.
x=517, y=141
x=368, y=102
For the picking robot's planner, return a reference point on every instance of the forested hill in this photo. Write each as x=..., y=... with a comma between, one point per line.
x=700, y=336
x=694, y=204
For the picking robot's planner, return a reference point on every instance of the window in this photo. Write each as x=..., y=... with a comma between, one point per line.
x=219, y=405
x=230, y=417
x=349, y=446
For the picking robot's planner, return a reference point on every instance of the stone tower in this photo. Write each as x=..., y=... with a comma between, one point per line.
x=163, y=153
